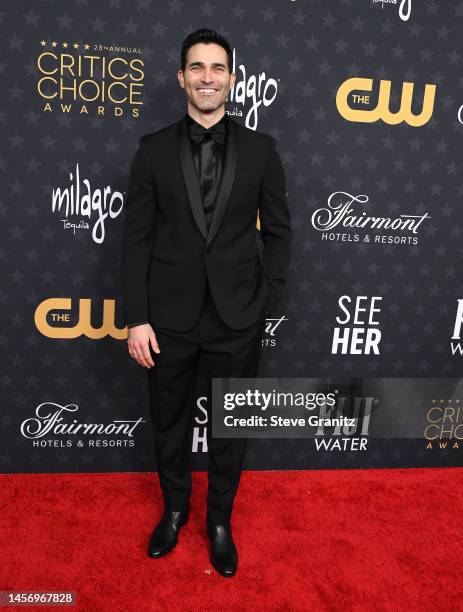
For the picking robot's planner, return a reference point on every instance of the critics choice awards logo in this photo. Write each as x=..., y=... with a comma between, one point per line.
x=90, y=79
x=444, y=424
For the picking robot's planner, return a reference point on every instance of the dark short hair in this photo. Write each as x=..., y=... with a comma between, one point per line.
x=204, y=35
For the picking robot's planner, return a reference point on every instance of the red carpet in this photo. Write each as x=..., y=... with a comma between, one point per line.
x=385, y=539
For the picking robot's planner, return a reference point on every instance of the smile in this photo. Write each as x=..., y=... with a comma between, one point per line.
x=206, y=91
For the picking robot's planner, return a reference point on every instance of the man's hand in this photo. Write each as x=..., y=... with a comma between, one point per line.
x=138, y=340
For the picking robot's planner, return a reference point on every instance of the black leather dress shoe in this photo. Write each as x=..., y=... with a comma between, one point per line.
x=165, y=534
x=224, y=556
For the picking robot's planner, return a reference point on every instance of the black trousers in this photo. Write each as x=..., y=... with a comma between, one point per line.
x=225, y=353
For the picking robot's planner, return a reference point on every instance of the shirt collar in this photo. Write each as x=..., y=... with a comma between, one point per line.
x=222, y=120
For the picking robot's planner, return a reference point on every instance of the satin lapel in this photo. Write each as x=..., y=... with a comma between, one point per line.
x=190, y=176
x=228, y=176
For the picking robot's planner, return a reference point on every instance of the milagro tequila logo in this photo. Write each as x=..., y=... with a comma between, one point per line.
x=405, y=7
x=49, y=422
x=79, y=205
x=258, y=89
x=338, y=216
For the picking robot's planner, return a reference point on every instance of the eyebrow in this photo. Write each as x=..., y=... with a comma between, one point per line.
x=202, y=64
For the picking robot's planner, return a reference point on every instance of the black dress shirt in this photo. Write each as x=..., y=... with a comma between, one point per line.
x=209, y=157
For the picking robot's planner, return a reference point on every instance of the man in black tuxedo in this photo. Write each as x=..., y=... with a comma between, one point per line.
x=193, y=282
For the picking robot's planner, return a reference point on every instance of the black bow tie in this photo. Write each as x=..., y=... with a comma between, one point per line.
x=217, y=132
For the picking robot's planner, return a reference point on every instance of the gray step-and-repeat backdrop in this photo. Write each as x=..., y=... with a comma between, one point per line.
x=365, y=101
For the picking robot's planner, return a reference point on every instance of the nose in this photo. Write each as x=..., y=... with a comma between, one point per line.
x=207, y=76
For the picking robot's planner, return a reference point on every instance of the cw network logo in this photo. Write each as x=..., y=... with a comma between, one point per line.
x=381, y=111
x=59, y=310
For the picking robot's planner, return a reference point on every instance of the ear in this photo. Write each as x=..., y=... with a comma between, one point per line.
x=181, y=79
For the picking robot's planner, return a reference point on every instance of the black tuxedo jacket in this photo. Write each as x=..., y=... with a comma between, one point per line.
x=167, y=252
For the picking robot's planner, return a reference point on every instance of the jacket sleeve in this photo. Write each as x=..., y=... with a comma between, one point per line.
x=275, y=228
x=138, y=237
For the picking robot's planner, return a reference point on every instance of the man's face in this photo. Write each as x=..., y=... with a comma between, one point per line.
x=206, y=79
